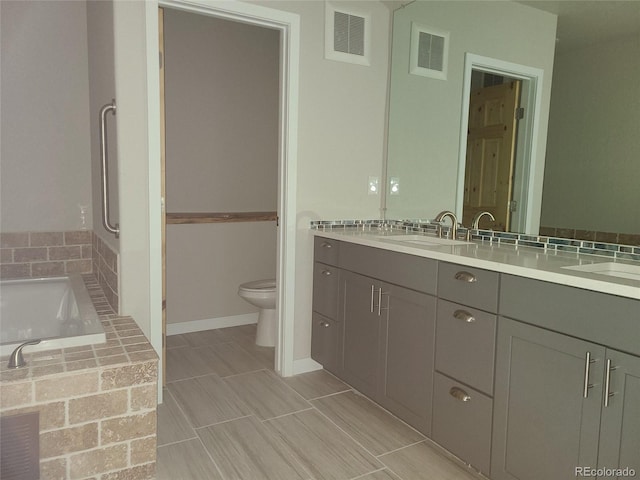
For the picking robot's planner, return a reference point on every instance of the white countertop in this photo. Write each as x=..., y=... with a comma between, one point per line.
x=522, y=261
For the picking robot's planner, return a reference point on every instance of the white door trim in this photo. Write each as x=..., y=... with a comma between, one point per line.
x=527, y=183
x=289, y=26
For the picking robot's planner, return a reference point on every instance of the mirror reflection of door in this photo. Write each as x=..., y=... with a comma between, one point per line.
x=491, y=145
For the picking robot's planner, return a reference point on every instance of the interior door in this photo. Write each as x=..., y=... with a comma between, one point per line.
x=491, y=143
x=162, y=193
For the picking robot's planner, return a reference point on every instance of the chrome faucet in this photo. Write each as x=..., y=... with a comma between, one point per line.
x=476, y=219
x=16, y=360
x=454, y=223
x=475, y=223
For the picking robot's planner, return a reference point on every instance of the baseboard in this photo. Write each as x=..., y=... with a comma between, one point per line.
x=305, y=365
x=211, y=323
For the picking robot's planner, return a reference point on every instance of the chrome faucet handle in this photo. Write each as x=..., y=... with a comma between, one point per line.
x=16, y=360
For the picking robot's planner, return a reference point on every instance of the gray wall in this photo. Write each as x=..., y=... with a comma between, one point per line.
x=102, y=90
x=221, y=94
x=45, y=151
x=592, y=171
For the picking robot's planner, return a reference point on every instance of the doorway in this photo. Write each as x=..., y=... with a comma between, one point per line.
x=288, y=24
x=491, y=149
x=528, y=163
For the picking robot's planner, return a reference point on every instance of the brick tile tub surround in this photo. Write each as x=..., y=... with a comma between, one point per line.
x=97, y=403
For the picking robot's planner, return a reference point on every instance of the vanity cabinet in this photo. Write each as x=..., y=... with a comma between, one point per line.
x=387, y=310
x=465, y=347
x=325, y=328
x=561, y=398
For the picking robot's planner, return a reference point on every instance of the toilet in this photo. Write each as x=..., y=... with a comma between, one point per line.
x=262, y=294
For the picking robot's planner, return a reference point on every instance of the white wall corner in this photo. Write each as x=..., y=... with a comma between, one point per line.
x=304, y=365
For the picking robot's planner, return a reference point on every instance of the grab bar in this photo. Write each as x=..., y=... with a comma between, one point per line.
x=105, y=177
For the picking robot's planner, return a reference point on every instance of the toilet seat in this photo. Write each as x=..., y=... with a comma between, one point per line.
x=259, y=286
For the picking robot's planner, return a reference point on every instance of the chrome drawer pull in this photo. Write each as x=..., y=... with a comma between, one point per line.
x=326, y=272
x=607, y=383
x=466, y=277
x=324, y=324
x=464, y=316
x=587, y=369
x=326, y=245
x=372, y=289
x=459, y=394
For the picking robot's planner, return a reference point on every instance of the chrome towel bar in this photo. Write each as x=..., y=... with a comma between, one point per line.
x=109, y=107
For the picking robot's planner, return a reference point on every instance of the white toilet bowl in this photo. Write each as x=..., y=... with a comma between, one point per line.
x=262, y=294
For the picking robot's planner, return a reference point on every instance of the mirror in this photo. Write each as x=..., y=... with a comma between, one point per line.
x=585, y=171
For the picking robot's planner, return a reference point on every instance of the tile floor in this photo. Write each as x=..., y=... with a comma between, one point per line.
x=227, y=416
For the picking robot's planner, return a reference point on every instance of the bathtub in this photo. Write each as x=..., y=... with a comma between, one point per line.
x=56, y=310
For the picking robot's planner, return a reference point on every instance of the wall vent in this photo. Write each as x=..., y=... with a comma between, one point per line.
x=20, y=447
x=347, y=36
x=429, y=52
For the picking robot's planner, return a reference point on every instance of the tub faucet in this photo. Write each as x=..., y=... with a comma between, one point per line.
x=475, y=223
x=454, y=223
x=16, y=360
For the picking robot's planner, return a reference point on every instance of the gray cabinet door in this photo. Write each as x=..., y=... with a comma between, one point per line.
x=407, y=350
x=543, y=426
x=620, y=425
x=361, y=331
x=325, y=346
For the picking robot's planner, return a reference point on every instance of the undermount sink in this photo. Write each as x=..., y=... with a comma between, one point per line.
x=612, y=269
x=422, y=240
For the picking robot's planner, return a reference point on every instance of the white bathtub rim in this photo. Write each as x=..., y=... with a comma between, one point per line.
x=95, y=332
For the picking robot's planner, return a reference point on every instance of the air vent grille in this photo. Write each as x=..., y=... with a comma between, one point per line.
x=20, y=447
x=348, y=33
x=431, y=51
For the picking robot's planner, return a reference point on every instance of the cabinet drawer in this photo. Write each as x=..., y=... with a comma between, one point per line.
x=465, y=344
x=469, y=286
x=326, y=250
x=324, y=342
x=326, y=282
x=416, y=273
x=593, y=316
x=462, y=427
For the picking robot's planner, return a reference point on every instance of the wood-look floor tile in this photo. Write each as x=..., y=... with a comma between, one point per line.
x=380, y=475
x=316, y=384
x=187, y=362
x=230, y=359
x=265, y=355
x=424, y=462
x=205, y=338
x=374, y=428
x=245, y=449
x=173, y=426
x=241, y=333
x=266, y=394
x=186, y=460
x=176, y=341
x=322, y=448
x=207, y=400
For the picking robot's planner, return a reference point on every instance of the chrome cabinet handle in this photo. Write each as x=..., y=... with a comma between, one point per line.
x=607, y=383
x=379, y=300
x=324, y=324
x=459, y=394
x=587, y=369
x=372, y=289
x=464, y=316
x=326, y=273
x=326, y=245
x=466, y=277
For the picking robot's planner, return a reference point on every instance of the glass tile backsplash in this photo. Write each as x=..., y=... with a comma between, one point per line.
x=549, y=244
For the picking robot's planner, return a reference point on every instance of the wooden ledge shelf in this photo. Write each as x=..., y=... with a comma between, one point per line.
x=220, y=217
